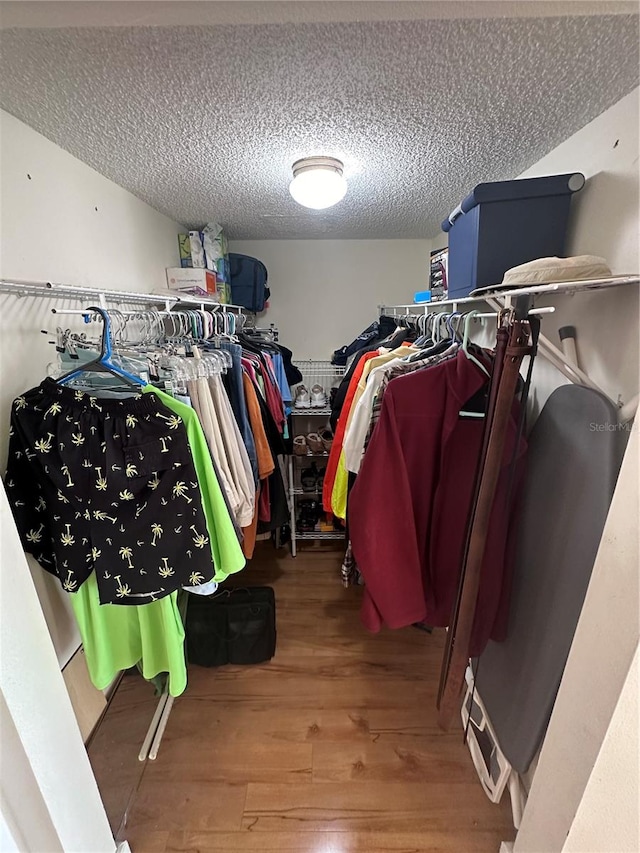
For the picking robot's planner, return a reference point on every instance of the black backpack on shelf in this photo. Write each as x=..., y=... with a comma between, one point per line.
x=248, y=282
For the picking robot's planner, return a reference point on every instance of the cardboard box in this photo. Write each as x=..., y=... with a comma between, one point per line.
x=181, y=279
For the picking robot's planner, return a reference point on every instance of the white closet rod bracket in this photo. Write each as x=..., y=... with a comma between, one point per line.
x=555, y=355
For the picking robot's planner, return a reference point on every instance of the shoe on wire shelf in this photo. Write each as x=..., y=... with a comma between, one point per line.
x=302, y=400
x=300, y=447
x=309, y=478
x=318, y=397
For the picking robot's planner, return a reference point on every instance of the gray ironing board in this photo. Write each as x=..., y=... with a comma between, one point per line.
x=572, y=469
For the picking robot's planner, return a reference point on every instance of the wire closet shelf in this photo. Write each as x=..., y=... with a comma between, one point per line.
x=527, y=296
x=506, y=297
x=104, y=296
x=322, y=373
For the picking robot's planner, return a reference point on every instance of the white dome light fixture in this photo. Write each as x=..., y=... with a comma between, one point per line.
x=318, y=182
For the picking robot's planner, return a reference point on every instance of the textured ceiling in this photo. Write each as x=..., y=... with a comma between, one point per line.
x=171, y=13
x=204, y=122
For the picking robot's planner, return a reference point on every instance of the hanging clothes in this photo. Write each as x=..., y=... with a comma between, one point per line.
x=203, y=406
x=409, y=505
x=115, y=638
x=266, y=464
x=129, y=495
x=223, y=541
x=235, y=390
x=186, y=400
x=102, y=485
x=392, y=338
x=235, y=450
x=336, y=447
x=341, y=480
x=378, y=378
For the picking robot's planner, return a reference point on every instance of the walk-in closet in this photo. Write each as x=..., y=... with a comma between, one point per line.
x=319, y=343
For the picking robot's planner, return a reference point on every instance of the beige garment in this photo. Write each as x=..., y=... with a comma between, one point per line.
x=202, y=403
x=244, y=512
x=236, y=451
x=386, y=357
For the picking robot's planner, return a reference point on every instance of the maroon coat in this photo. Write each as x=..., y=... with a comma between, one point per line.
x=409, y=507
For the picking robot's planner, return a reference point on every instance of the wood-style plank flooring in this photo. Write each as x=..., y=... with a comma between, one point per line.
x=332, y=747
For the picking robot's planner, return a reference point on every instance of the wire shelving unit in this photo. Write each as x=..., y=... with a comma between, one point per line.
x=306, y=420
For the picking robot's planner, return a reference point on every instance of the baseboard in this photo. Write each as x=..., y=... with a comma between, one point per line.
x=505, y=847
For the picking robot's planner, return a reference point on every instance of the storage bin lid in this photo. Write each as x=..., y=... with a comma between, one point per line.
x=516, y=191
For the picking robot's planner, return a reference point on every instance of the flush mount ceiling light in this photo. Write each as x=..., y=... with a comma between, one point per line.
x=318, y=182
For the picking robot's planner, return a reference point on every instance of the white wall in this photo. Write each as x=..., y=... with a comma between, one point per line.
x=50, y=230
x=325, y=292
x=59, y=221
x=605, y=222
x=48, y=795
x=607, y=818
x=605, y=215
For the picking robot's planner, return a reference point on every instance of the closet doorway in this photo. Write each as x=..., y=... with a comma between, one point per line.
x=141, y=140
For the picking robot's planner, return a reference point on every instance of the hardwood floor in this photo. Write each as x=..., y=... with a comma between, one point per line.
x=332, y=747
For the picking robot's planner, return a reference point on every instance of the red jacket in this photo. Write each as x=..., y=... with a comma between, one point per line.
x=409, y=507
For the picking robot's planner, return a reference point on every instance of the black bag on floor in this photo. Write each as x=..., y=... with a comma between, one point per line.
x=235, y=626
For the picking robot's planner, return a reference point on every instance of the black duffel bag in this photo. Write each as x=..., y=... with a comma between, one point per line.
x=235, y=626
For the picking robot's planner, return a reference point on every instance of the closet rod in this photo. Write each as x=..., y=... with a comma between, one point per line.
x=548, y=310
x=498, y=300
x=51, y=290
x=556, y=288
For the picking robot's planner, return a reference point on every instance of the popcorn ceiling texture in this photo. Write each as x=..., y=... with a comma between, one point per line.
x=204, y=123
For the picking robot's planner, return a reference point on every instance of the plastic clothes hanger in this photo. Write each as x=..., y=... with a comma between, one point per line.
x=452, y=329
x=103, y=364
x=465, y=343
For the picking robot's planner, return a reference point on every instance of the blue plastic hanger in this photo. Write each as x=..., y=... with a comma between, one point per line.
x=103, y=363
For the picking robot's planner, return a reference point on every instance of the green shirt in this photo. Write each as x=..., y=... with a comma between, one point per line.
x=116, y=637
x=225, y=548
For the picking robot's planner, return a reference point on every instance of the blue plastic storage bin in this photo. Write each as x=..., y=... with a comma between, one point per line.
x=503, y=224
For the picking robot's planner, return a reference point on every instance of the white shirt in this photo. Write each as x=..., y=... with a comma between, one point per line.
x=356, y=434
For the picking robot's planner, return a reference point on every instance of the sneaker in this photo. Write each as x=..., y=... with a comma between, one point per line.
x=302, y=401
x=318, y=397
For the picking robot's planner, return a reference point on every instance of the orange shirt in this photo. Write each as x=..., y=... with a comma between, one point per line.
x=336, y=447
x=266, y=464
